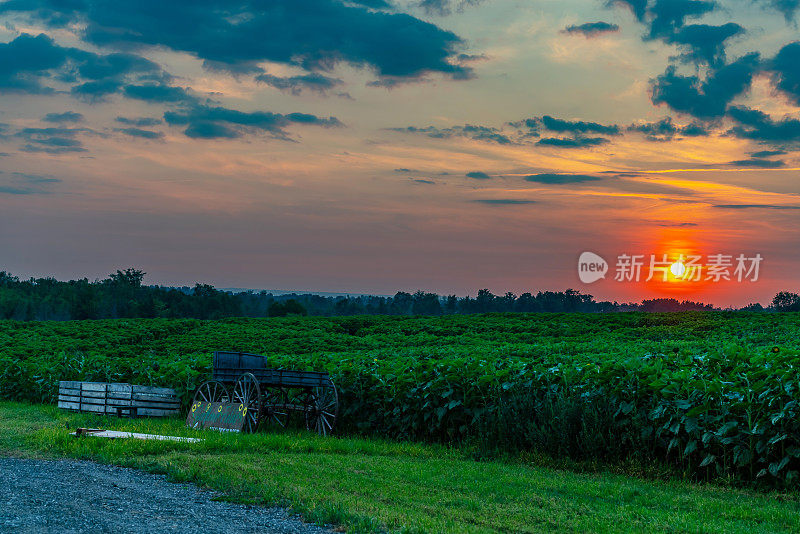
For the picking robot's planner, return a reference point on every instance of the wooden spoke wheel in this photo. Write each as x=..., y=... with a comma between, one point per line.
x=321, y=409
x=247, y=392
x=211, y=391
x=276, y=411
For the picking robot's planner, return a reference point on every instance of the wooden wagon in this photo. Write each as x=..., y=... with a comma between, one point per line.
x=271, y=395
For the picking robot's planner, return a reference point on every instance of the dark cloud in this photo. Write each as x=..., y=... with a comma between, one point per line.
x=767, y=153
x=560, y=179
x=423, y=181
x=404, y=170
x=695, y=129
x=470, y=131
x=662, y=130
x=530, y=126
x=67, y=116
x=21, y=183
x=592, y=29
x=706, y=99
x=138, y=132
x=666, y=20
x=25, y=60
x=786, y=68
x=572, y=142
x=637, y=7
x=667, y=16
x=139, y=121
x=705, y=43
x=560, y=125
x=445, y=7
x=787, y=7
x=756, y=206
x=114, y=66
x=757, y=125
x=677, y=224
x=218, y=122
x=314, y=34
x=52, y=140
x=665, y=129
x=758, y=163
x=96, y=91
x=503, y=201
x=478, y=175
x=297, y=84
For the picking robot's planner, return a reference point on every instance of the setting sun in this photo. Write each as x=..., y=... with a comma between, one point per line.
x=677, y=269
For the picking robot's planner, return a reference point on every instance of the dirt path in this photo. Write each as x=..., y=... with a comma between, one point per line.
x=68, y=496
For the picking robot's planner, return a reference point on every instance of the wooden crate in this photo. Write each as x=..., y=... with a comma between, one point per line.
x=103, y=398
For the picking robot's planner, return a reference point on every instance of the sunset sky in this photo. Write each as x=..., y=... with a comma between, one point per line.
x=373, y=146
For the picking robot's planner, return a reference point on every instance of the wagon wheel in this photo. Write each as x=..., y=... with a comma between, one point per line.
x=275, y=410
x=211, y=391
x=322, y=407
x=247, y=392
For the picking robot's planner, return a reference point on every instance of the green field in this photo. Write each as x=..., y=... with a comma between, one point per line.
x=377, y=486
x=708, y=395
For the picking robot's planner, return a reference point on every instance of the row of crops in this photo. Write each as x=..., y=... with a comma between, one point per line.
x=713, y=394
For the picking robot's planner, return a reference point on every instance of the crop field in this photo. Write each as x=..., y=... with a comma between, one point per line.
x=711, y=395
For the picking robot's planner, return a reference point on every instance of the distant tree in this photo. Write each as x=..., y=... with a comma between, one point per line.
x=753, y=307
x=426, y=304
x=293, y=307
x=277, y=309
x=786, y=301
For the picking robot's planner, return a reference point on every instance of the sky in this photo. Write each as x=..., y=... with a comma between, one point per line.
x=372, y=146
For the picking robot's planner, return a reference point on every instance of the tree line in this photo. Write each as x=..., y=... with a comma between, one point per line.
x=124, y=295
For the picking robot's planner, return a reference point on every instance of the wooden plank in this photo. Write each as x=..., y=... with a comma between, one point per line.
x=168, y=407
x=69, y=398
x=69, y=384
x=71, y=392
x=154, y=398
x=118, y=396
x=93, y=402
x=152, y=390
x=93, y=386
x=69, y=405
x=120, y=388
x=114, y=434
x=119, y=402
x=93, y=394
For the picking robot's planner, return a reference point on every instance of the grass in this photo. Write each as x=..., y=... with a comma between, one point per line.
x=373, y=486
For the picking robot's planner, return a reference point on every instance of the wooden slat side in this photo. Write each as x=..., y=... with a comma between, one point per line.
x=156, y=406
x=69, y=384
x=118, y=395
x=152, y=390
x=119, y=402
x=120, y=388
x=93, y=386
x=155, y=398
x=69, y=391
x=93, y=394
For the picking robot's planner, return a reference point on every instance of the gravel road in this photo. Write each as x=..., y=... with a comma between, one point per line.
x=68, y=496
